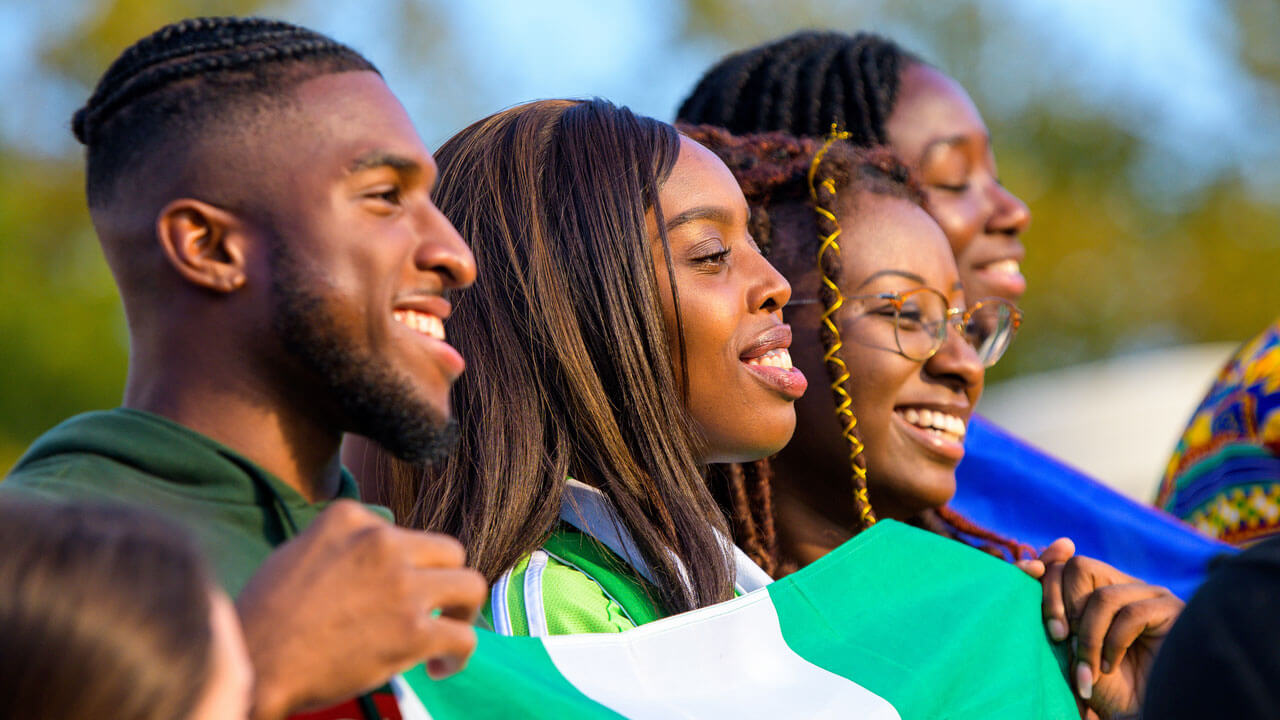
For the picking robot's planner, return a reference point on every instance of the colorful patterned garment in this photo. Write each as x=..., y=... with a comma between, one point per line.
x=1224, y=476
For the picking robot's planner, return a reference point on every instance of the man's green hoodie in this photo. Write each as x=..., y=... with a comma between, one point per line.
x=237, y=511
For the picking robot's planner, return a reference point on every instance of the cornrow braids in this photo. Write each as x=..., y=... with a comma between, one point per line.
x=775, y=169
x=174, y=82
x=802, y=84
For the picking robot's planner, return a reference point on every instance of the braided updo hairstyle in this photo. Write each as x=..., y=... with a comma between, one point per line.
x=776, y=169
x=802, y=84
x=169, y=85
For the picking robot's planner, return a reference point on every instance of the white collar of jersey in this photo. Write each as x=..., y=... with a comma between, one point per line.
x=589, y=510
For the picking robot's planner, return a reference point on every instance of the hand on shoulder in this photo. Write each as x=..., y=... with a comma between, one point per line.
x=1116, y=623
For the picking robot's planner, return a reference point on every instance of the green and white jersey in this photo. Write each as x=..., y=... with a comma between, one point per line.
x=589, y=577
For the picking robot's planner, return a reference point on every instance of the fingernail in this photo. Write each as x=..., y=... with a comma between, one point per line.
x=1106, y=667
x=440, y=668
x=1084, y=681
x=1057, y=630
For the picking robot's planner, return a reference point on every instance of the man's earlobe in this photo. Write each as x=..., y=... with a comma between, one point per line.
x=204, y=243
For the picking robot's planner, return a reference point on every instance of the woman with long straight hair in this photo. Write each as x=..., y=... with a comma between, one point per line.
x=625, y=333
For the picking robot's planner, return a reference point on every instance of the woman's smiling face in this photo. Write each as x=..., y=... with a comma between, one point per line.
x=888, y=245
x=937, y=131
x=741, y=387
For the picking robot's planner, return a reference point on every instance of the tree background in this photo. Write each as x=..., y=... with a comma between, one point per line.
x=1144, y=137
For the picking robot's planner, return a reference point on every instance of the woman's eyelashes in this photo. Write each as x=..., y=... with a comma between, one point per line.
x=709, y=255
x=714, y=261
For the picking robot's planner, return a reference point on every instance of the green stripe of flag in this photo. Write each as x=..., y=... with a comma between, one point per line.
x=507, y=677
x=939, y=629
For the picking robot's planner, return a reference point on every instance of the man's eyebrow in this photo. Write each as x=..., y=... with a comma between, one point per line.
x=381, y=158
x=900, y=273
x=720, y=215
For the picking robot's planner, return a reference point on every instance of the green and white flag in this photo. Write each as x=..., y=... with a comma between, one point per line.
x=896, y=623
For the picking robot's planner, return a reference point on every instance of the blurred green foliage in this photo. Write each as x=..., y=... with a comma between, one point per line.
x=65, y=345
x=1110, y=268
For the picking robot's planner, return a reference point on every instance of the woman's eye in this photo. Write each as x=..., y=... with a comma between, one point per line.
x=956, y=188
x=714, y=258
x=910, y=319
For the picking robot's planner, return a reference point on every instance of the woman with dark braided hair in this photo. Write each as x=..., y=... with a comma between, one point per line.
x=880, y=94
x=880, y=314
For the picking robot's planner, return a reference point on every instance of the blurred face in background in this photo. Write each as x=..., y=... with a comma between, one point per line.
x=938, y=132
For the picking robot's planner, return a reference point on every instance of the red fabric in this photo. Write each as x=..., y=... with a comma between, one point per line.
x=386, y=702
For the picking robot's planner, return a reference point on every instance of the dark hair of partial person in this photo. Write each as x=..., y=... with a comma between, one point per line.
x=166, y=90
x=569, y=369
x=802, y=84
x=776, y=169
x=104, y=613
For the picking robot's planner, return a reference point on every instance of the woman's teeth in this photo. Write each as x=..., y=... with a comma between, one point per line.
x=778, y=358
x=1009, y=267
x=421, y=322
x=935, y=421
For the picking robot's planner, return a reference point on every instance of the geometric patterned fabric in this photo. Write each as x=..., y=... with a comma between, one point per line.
x=1224, y=475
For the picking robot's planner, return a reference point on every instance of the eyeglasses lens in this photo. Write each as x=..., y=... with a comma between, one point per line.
x=921, y=324
x=990, y=330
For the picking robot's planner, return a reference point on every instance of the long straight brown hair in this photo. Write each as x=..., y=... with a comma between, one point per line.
x=569, y=372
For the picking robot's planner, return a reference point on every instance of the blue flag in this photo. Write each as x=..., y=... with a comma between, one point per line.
x=1023, y=493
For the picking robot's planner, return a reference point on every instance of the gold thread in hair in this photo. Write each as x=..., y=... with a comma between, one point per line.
x=844, y=405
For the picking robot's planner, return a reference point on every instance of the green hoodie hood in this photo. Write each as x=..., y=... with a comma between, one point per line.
x=238, y=511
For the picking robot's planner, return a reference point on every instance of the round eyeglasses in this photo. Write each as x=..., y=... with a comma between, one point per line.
x=922, y=315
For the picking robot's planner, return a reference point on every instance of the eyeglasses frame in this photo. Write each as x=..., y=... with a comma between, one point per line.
x=955, y=317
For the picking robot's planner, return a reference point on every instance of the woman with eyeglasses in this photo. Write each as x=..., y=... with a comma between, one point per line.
x=896, y=357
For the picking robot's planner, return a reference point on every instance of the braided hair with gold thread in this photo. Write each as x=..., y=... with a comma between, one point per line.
x=776, y=169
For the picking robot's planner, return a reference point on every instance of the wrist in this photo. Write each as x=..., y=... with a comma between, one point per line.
x=272, y=698
x=270, y=701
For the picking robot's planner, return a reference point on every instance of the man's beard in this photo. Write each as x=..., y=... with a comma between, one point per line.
x=377, y=401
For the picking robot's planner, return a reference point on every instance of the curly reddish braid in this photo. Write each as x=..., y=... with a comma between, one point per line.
x=958, y=527
x=772, y=169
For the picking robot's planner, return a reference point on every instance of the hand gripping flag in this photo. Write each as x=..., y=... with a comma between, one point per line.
x=895, y=623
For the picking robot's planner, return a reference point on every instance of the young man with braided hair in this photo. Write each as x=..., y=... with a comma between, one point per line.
x=264, y=204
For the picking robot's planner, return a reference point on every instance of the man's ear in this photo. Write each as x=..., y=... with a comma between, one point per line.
x=204, y=243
